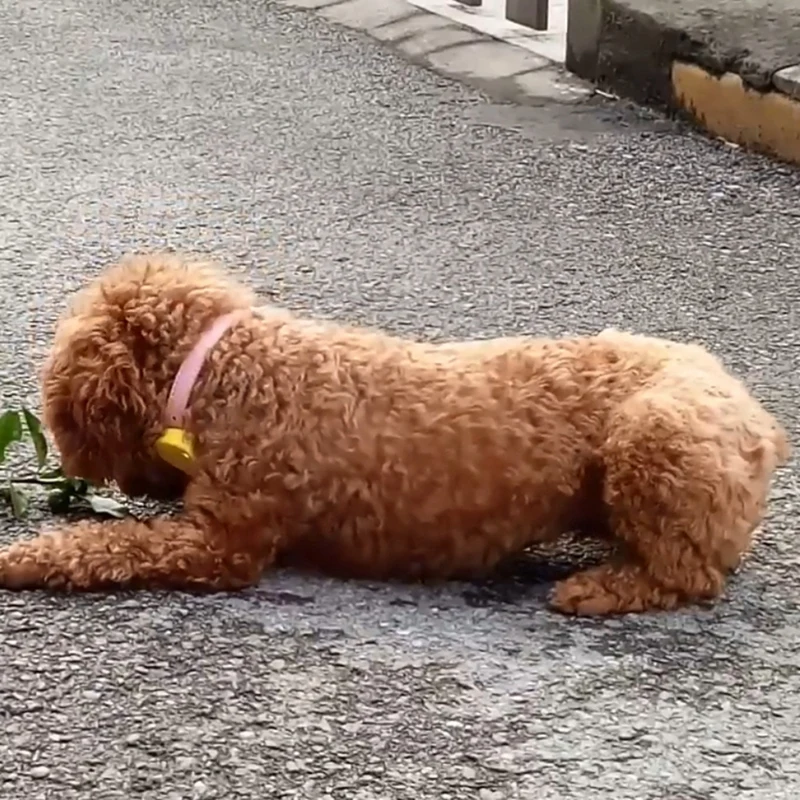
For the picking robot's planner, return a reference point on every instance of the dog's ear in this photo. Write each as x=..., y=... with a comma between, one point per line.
x=109, y=389
x=94, y=403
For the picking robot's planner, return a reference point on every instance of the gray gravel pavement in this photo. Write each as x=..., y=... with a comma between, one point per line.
x=343, y=181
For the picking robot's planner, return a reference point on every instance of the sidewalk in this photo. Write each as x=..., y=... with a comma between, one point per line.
x=476, y=46
x=490, y=18
x=734, y=68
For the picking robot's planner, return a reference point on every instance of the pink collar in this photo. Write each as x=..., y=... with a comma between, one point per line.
x=183, y=384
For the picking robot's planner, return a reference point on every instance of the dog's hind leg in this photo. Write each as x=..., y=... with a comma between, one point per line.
x=685, y=489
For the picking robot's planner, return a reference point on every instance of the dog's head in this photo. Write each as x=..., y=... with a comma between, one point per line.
x=113, y=360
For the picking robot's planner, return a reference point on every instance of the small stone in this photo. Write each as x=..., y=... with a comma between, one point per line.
x=40, y=771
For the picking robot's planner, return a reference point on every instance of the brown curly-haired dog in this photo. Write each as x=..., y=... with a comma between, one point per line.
x=366, y=455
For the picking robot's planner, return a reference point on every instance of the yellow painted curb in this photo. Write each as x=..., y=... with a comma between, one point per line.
x=727, y=107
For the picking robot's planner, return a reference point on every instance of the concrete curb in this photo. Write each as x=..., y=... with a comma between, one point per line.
x=647, y=57
x=500, y=69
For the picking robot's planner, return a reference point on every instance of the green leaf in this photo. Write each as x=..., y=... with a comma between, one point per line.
x=106, y=506
x=48, y=478
x=39, y=442
x=59, y=500
x=10, y=431
x=78, y=487
x=52, y=474
x=19, y=502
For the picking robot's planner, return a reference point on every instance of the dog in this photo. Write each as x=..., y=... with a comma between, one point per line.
x=314, y=445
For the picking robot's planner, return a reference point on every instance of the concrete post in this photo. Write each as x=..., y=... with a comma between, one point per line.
x=584, y=20
x=531, y=13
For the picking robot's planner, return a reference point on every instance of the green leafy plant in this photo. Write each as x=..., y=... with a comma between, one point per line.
x=63, y=493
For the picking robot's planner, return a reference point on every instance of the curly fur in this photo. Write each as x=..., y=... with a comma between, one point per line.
x=365, y=455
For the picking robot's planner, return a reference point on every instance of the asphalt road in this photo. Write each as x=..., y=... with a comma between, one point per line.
x=343, y=181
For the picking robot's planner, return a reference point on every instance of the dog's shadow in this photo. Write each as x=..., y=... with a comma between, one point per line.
x=536, y=570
